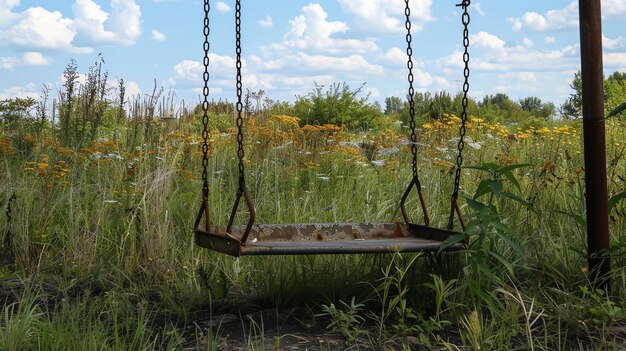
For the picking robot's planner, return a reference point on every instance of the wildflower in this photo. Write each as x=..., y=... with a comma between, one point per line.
x=475, y=145
x=378, y=163
x=443, y=164
x=349, y=144
x=388, y=151
x=30, y=139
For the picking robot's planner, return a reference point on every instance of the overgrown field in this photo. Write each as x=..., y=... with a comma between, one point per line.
x=98, y=245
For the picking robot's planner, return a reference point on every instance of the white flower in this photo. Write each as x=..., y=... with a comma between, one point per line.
x=388, y=151
x=378, y=163
x=348, y=144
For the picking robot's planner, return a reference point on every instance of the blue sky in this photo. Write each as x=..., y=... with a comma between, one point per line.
x=519, y=47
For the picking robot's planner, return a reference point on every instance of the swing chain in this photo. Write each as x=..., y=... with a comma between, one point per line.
x=466, y=73
x=205, y=103
x=239, y=105
x=415, y=181
x=454, y=206
x=410, y=97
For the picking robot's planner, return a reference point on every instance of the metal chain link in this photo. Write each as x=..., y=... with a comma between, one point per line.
x=240, y=152
x=410, y=97
x=465, y=18
x=205, y=102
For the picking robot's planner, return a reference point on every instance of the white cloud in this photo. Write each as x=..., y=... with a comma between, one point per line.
x=35, y=59
x=158, y=36
x=494, y=55
x=384, y=16
x=93, y=26
x=613, y=8
x=23, y=92
x=565, y=18
x=520, y=70
x=266, y=22
x=39, y=28
x=373, y=92
x=549, y=40
x=613, y=44
x=132, y=89
x=394, y=57
x=191, y=71
x=478, y=7
x=615, y=60
x=6, y=15
x=222, y=7
x=528, y=43
x=312, y=32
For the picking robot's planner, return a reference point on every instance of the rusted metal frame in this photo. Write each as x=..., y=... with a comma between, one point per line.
x=414, y=182
x=243, y=190
x=454, y=208
x=594, y=141
x=204, y=208
x=280, y=239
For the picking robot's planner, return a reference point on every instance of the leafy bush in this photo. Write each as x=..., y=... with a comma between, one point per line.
x=338, y=105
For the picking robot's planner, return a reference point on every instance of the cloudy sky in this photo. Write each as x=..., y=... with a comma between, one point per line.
x=519, y=47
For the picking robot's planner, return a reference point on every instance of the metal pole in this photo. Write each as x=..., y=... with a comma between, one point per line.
x=594, y=140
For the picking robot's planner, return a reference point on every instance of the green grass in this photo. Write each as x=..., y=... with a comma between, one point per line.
x=105, y=256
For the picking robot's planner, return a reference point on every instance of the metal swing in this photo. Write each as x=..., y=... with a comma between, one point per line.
x=325, y=238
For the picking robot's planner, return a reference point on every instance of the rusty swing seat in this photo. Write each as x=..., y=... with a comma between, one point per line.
x=324, y=238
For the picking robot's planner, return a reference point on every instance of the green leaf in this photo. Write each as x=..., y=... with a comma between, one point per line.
x=500, y=227
x=615, y=199
x=452, y=239
x=483, y=188
x=476, y=205
x=509, y=168
x=511, y=177
x=617, y=110
x=511, y=243
x=496, y=187
x=578, y=218
x=487, y=272
x=508, y=265
x=519, y=199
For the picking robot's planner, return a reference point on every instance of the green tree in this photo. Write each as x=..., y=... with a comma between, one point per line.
x=500, y=107
x=530, y=103
x=615, y=91
x=393, y=104
x=441, y=103
x=457, y=105
x=573, y=106
x=536, y=108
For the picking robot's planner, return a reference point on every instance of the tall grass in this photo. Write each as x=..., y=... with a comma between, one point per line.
x=103, y=234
